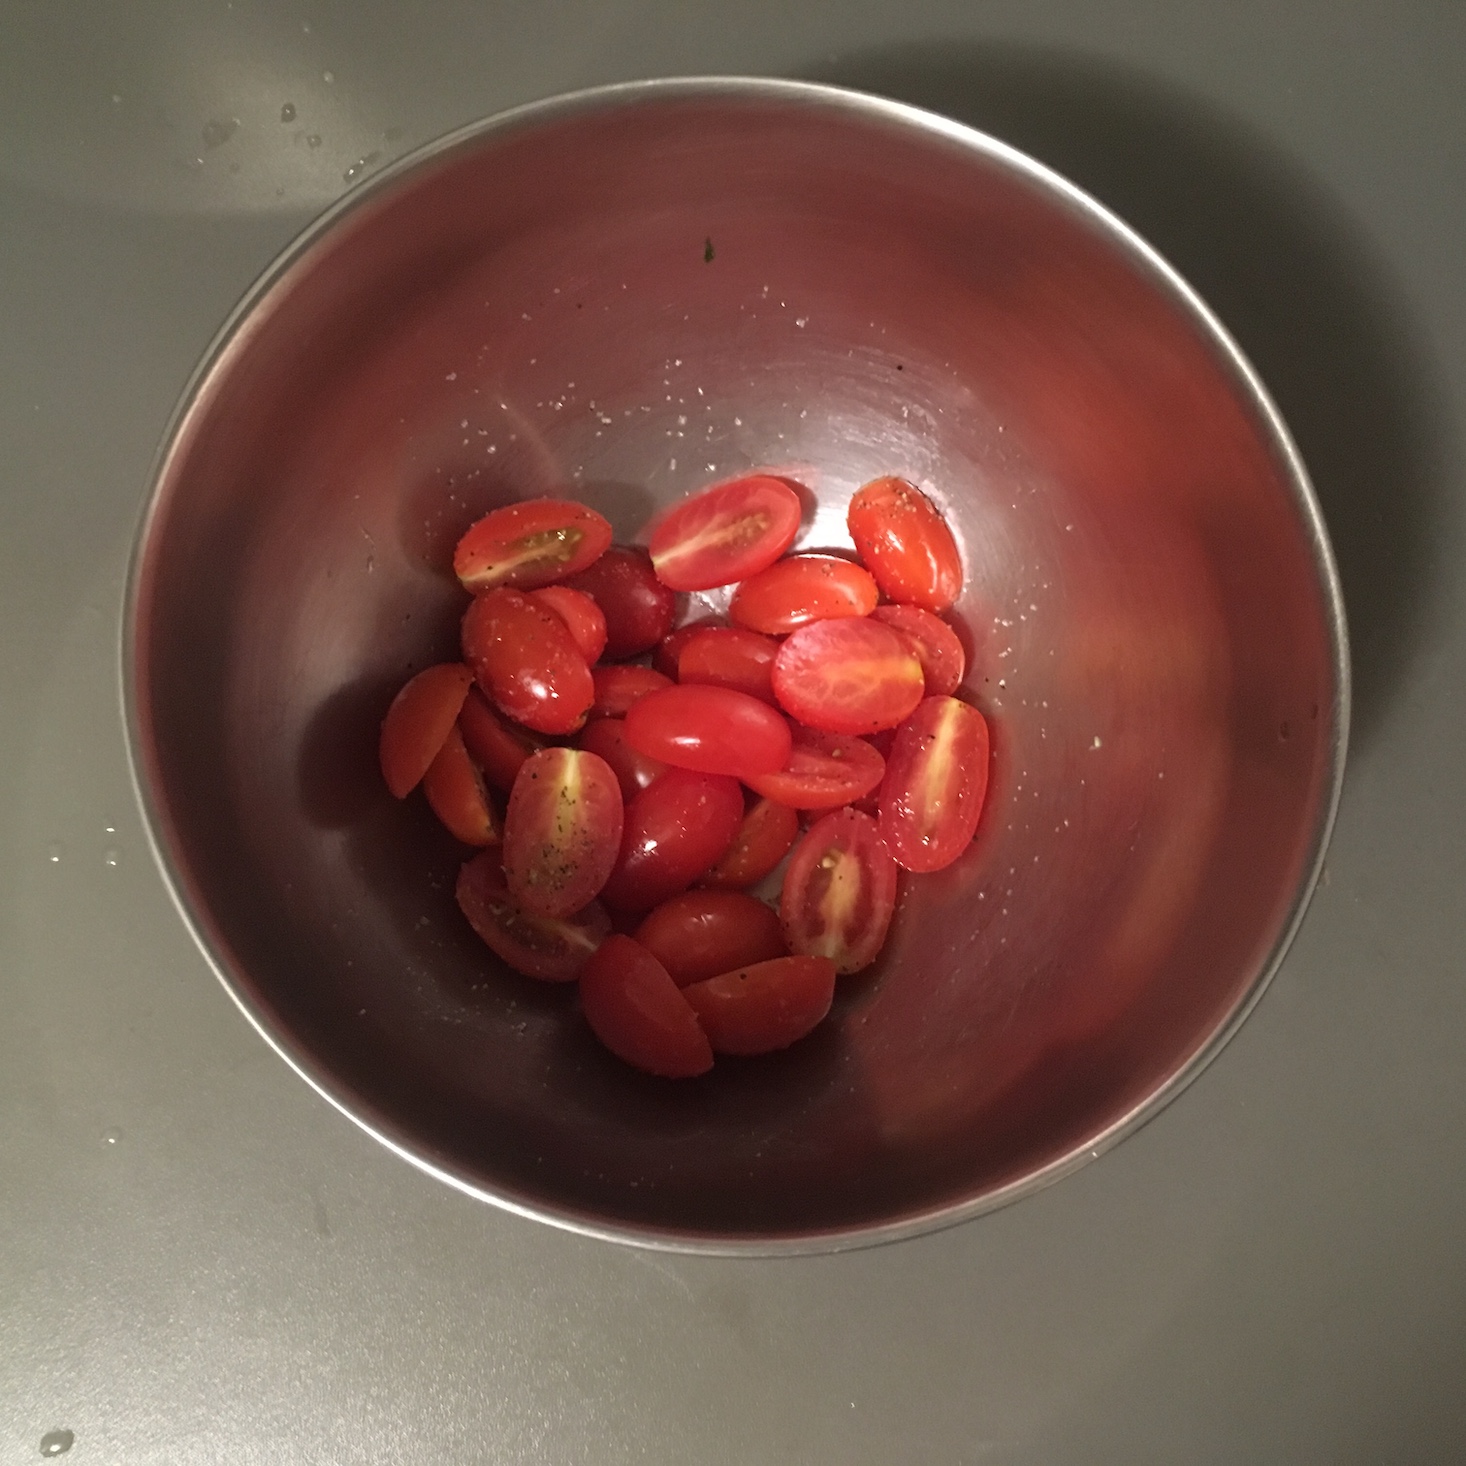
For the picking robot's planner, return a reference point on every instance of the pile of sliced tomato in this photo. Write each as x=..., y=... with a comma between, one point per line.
x=625, y=809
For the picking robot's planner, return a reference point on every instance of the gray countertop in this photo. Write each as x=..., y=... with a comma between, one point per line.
x=200, y=1261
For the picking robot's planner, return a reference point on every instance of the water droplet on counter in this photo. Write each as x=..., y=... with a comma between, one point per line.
x=112, y=857
x=116, y=100
x=112, y=1136
x=218, y=131
x=54, y=851
x=57, y=1442
x=328, y=77
x=314, y=140
x=287, y=112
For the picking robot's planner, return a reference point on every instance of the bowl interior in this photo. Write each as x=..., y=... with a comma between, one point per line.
x=627, y=299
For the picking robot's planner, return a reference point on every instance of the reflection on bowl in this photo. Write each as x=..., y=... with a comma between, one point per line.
x=1154, y=628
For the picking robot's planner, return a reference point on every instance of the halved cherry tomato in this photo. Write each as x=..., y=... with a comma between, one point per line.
x=802, y=589
x=728, y=656
x=619, y=686
x=763, y=1007
x=527, y=662
x=550, y=948
x=711, y=729
x=905, y=544
x=606, y=737
x=639, y=1013
x=931, y=641
x=418, y=723
x=455, y=790
x=639, y=609
x=562, y=833
x=669, y=651
x=582, y=617
x=700, y=934
x=823, y=771
x=530, y=543
x=676, y=830
x=935, y=785
x=495, y=744
x=839, y=892
x=762, y=841
x=725, y=533
x=847, y=676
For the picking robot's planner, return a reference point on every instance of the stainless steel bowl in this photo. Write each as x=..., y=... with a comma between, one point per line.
x=630, y=293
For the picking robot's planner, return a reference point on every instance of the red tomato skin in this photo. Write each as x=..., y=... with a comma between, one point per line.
x=847, y=676
x=725, y=533
x=532, y=543
x=802, y=589
x=839, y=892
x=935, y=785
x=905, y=543
x=764, y=1007
x=675, y=830
x=456, y=793
x=823, y=771
x=638, y=608
x=525, y=659
x=700, y=934
x=606, y=737
x=583, y=619
x=639, y=1013
x=668, y=655
x=762, y=841
x=496, y=745
x=418, y=722
x=729, y=656
x=547, y=948
x=562, y=832
x=619, y=687
x=712, y=730
x=932, y=642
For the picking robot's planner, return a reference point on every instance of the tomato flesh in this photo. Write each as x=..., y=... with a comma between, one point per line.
x=905, y=543
x=530, y=544
x=582, y=617
x=619, y=687
x=931, y=641
x=936, y=783
x=639, y=1013
x=839, y=892
x=713, y=730
x=455, y=791
x=762, y=841
x=496, y=745
x=700, y=934
x=729, y=656
x=562, y=832
x=802, y=589
x=525, y=659
x=675, y=830
x=763, y=1007
x=725, y=533
x=418, y=723
x=552, y=949
x=823, y=771
x=847, y=676
x=638, y=608
x=606, y=737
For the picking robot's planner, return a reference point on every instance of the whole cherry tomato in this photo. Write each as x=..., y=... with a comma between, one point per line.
x=762, y=841
x=728, y=656
x=801, y=589
x=562, y=832
x=418, y=723
x=823, y=771
x=455, y=790
x=496, y=745
x=839, y=891
x=931, y=641
x=936, y=783
x=675, y=830
x=619, y=686
x=606, y=737
x=699, y=934
x=711, y=729
x=553, y=949
x=530, y=543
x=763, y=1007
x=582, y=617
x=847, y=676
x=639, y=1013
x=527, y=662
x=905, y=543
x=725, y=533
x=638, y=608
x=668, y=654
